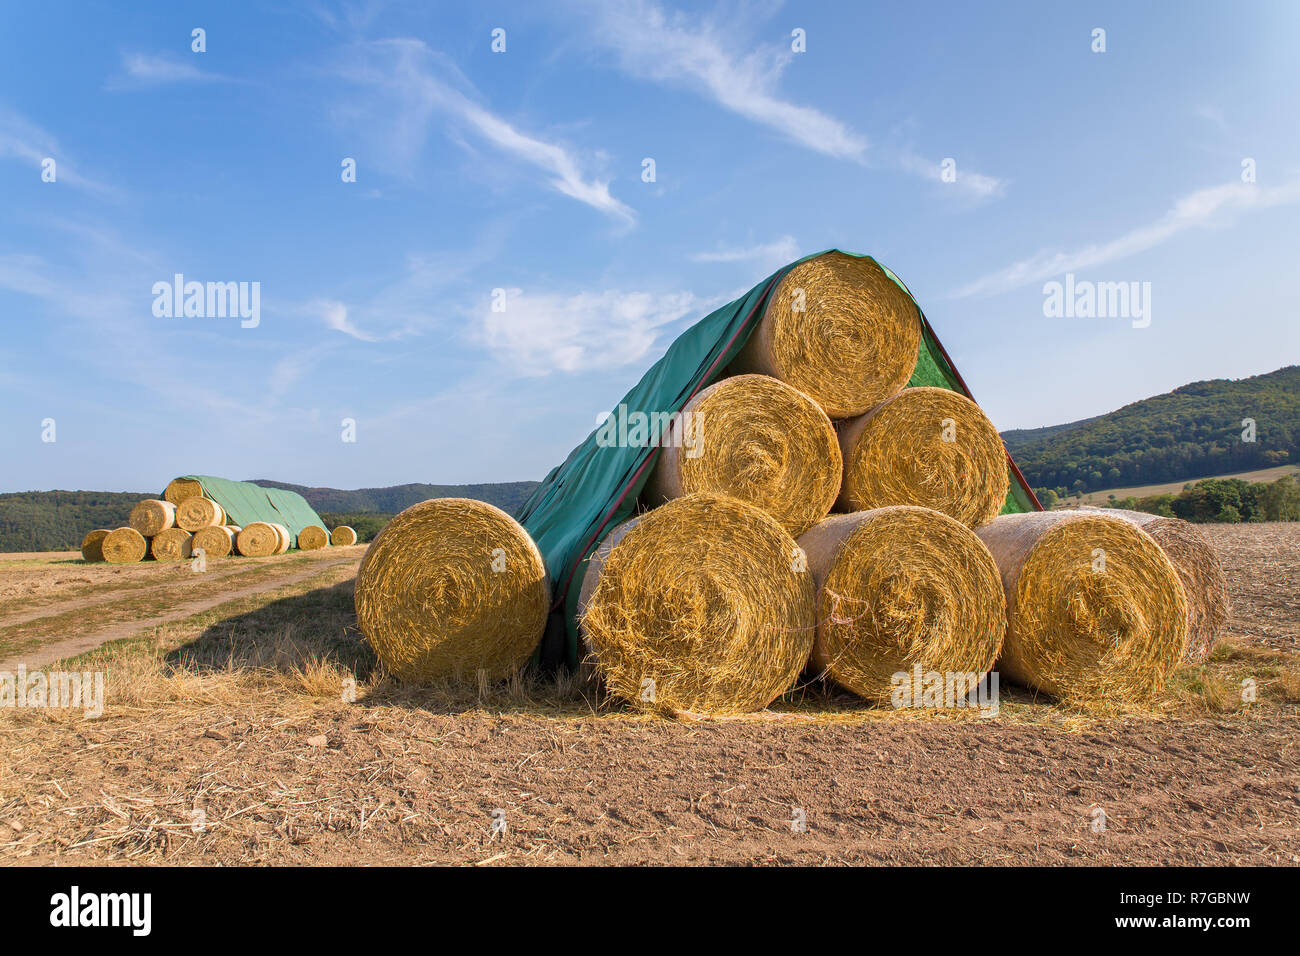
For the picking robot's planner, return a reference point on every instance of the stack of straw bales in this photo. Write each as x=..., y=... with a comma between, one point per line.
x=184, y=520
x=737, y=578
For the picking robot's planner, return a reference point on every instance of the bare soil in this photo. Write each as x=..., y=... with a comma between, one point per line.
x=227, y=738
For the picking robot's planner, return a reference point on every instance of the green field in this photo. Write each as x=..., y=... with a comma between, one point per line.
x=1173, y=487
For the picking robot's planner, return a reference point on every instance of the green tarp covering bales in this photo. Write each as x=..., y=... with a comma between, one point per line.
x=597, y=487
x=246, y=502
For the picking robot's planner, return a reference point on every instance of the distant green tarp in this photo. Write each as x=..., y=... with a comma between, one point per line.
x=597, y=487
x=245, y=502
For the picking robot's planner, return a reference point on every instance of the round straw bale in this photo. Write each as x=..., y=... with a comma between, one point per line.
x=124, y=546
x=1095, y=610
x=343, y=535
x=312, y=537
x=217, y=541
x=757, y=439
x=838, y=329
x=704, y=605
x=151, y=516
x=171, y=544
x=258, y=539
x=199, y=512
x=286, y=538
x=1198, y=567
x=925, y=446
x=92, y=545
x=178, y=489
x=451, y=588
x=899, y=587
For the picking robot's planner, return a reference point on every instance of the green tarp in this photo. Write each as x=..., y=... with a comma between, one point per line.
x=597, y=487
x=246, y=502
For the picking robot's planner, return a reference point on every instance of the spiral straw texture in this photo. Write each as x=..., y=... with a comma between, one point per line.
x=198, y=512
x=757, y=439
x=451, y=588
x=838, y=329
x=704, y=605
x=217, y=541
x=152, y=516
x=898, y=587
x=1095, y=611
x=124, y=546
x=312, y=537
x=92, y=545
x=172, y=544
x=929, y=447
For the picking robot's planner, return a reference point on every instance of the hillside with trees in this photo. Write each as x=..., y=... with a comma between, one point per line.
x=1201, y=430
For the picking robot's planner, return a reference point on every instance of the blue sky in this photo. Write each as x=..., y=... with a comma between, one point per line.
x=522, y=171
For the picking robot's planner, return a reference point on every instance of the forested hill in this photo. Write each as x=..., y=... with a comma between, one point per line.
x=507, y=496
x=1192, y=432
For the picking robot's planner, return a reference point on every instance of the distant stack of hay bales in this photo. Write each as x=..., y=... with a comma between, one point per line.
x=187, y=520
x=707, y=603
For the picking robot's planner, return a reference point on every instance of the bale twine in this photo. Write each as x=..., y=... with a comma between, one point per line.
x=124, y=546
x=152, y=516
x=92, y=545
x=312, y=537
x=757, y=439
x=1095, y=610
x=451, y=588
x=199, y=512
x=1204, y=583
x=838, y=329
x=217, y=541
x=704, y=605
x=258, y=540
x=899, y=587
x=925, y=446
x=285, y=536
x=343, y=535
x=172, y=544
x=179, y=489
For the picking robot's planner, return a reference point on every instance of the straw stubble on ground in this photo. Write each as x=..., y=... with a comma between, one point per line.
x=237, y=713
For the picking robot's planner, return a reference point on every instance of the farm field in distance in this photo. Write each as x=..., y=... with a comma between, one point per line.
x=226, y=739
x=1100, y=498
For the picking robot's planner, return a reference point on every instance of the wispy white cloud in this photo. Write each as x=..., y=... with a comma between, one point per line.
x=1201, y=208
x=335, y=316
x=769, y=255
x=538, y=334
x=156, y=69
x=965, y=182
x=673, y=48
x=23, y=140
x=425, y=85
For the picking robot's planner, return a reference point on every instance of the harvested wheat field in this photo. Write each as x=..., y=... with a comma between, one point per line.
x=249, y=722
